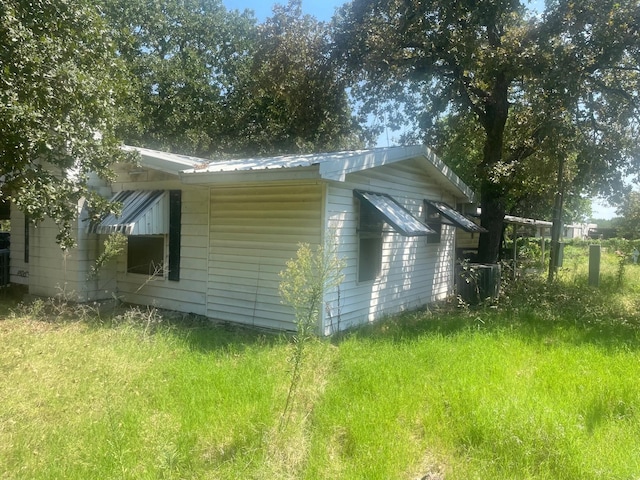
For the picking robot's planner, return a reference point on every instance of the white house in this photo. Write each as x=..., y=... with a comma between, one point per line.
x=210, y=237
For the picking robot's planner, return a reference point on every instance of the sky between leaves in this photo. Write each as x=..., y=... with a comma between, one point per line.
x=324, y=10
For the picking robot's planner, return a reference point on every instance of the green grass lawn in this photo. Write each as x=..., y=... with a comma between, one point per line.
x=543, y=386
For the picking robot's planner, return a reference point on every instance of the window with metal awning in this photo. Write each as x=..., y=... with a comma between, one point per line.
x=454, y=217
x=152, y=221
x=144, y=212
x=394, y=214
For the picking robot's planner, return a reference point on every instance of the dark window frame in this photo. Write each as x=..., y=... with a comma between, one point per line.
x=370, y=243
x=433, y=219
x=27, y=234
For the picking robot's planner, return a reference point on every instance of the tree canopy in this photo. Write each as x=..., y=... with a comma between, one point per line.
x=294, y=99
x=79, y=77
x=212, y=82
x=628, y=222
x=532, y=89
x=59, y=94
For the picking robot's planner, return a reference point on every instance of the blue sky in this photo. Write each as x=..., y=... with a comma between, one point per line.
x=321, y=9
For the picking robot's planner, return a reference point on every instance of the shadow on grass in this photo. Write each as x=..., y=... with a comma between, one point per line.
x=196, y=332
x=570, y=313
x=533, y=311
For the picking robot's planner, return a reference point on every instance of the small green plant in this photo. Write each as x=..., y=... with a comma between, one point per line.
x=622, y=263
x=114, y=245
x=303, y=285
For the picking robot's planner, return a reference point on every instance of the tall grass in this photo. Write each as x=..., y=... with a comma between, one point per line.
x=543, y=386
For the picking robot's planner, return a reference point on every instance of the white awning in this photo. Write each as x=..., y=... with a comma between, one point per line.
x=456, y=218
x=398, y=217
x=144, y=212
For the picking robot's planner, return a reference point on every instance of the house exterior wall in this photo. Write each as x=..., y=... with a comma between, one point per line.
x=19, y=269
x=237, y=238
x=414, y=272
x=51, y=271
x=253, y=231
x=189, y=292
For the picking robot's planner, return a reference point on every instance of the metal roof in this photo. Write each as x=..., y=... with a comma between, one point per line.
x=164, y=161
x=328, y=166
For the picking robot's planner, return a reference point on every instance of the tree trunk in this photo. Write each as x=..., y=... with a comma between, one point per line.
x=492, y=218
x=491, y=192
x=556, y=229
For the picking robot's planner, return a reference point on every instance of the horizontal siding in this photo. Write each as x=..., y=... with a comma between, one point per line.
x=189, y=293
x=467, y=240
x=253, y=232
x=51, y=271
x=414, y=272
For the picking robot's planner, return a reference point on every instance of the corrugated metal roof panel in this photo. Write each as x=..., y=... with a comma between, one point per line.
x=330, y=166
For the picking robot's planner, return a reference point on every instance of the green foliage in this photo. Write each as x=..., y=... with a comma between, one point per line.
x=513, y=91
x=628, y=224
x=211, y=82
x=184, y=59
x=542, y=387
x=60, y=84
x=306, y=279
x=114, y=245
x=294, y=98
x=303, y=286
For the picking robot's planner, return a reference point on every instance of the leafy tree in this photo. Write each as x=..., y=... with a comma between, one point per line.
x=185, y=59
x=294, y=100
x=213, y=82
x=628, y=223
x=459, y=140
x=59, y=87
x=534, y=89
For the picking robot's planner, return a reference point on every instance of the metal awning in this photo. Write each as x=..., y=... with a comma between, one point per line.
x=144, y=212
x=398, y=217
x=456, y=218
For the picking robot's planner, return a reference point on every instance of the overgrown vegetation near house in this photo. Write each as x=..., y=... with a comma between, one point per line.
x=542, y=385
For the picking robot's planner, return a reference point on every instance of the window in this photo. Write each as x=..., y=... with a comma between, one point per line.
x=434, y=221
x=370, y=243
x=152, y=220
x=439, y=213
x=145, y=254
x=376, y=210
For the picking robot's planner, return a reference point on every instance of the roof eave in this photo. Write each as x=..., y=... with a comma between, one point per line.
x=386, y=156
x=166, y=162
x=250, y=176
